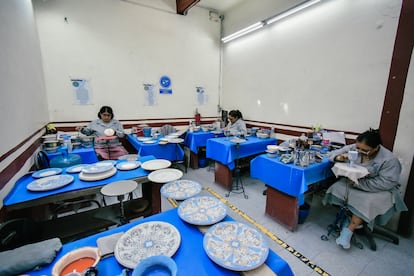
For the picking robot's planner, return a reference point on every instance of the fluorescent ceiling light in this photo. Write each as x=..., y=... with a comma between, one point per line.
x=291, y=11
x=242, y=32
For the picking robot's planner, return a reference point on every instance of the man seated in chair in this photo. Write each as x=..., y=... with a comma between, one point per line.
x=376, y=197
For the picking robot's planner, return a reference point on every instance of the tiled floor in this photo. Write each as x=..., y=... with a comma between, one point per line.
x=314, y=254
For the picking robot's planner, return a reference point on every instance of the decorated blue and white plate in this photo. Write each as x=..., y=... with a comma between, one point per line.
x=76, y=168
x=235, y=246
x=147, y=239
x=50, y=183
x=202, y=210
x=180, y=189
x=47, y=172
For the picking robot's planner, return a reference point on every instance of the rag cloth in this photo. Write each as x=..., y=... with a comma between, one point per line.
x=29, y=257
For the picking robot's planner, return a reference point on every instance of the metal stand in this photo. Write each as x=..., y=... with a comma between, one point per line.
x=237, y=185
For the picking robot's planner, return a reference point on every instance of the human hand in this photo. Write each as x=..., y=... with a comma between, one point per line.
x=342, y=157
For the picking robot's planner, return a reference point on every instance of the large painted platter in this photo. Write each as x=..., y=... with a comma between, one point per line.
x=165, y=175
x=180, y=189
x=97, y=168
x=202, y=210
x=47, y=172
x=235, y=246
x=50, y=183
x=145, y=240
x=156, y=164
x=97, y=176
x=128, y=165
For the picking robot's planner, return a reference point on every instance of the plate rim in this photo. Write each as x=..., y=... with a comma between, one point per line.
x=151, y=175
x=220, y=263
x=116, y=250
x=221, y=204
x=37, y=173
x=103, y=175
x=70, y=170
x=137, y=164
x=145, y=164
x=70, y=179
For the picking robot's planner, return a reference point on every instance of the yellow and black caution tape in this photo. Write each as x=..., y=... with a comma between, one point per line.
x=272, y=236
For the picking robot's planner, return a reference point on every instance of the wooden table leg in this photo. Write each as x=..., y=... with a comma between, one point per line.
x=223, y=175
x=156, y=198
x=193, y=160
x=282, y=208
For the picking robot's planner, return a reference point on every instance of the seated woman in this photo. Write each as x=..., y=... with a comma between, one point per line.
x=376, y=197
x=236, y=126
x=107, y=130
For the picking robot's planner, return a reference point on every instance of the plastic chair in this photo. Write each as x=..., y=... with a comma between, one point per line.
x=41, y=161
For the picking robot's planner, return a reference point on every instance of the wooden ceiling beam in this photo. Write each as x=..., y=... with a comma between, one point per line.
x=184, y=5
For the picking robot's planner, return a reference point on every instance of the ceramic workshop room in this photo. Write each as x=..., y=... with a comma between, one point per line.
x=206, y=137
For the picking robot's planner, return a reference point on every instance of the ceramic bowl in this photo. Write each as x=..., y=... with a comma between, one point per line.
x=262, y=135
x=51, y=144
x=76, y=259
x=156, y=265
x=272, y=148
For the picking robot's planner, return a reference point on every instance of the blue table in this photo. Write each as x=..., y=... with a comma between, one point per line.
x=170, y=151
x=19, y=197
x=196, y=140
x=226, y=152
x=190, y=257
x=88, y=155
x=286, y=185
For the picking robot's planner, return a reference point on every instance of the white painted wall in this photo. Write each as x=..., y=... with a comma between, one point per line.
x=118, y=46
x=327, y=65
x=23, y=106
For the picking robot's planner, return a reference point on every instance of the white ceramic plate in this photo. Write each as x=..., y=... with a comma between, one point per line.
x=156, y=164
x=97, y=176
x=176, y=140
x=145, y=240
x=128, y=165
x=235, y=246
x=180, y=189
x=165, y=175
x=50, y=183
x=142, y=139
x=202, y=210
x=150, y=142
x=97, y=168
x=76, y=168
x=47, y=172
x=129, y=157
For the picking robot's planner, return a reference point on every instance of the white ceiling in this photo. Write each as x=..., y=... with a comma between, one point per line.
x=219, y=5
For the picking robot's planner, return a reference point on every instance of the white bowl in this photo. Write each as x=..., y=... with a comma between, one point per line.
x=272, y=148
x=262, y=135
x=75, y=255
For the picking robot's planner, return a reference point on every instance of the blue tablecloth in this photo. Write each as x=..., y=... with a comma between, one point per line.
x=190, y=257
x=225, y=151
x=20, y=194
x=288, y=178
x=194, y=140
x=170, y=151
x=88, y=155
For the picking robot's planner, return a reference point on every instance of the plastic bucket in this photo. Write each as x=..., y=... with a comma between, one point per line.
x=303, y=213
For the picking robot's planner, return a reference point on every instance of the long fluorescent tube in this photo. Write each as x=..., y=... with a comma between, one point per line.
x=242, y=32
x=291, y=11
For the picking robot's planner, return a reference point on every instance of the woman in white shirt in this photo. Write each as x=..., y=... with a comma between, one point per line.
x=236, y=126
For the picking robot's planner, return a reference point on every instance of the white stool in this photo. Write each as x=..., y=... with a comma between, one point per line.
x=120, y=189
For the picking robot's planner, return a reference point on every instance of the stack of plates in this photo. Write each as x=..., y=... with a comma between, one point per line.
x=98, y=171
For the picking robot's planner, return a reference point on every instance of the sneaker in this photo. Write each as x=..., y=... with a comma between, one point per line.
x=344, y=239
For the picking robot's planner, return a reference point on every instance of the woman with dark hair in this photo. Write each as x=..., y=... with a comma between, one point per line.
x=376, y=197
x=107, y=130
x=236, y=125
